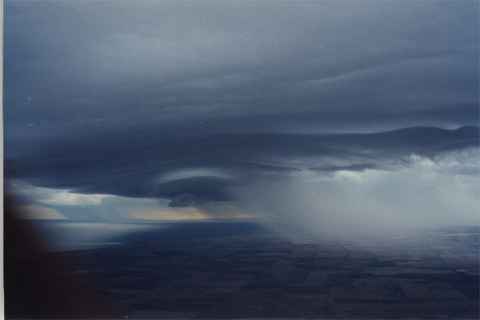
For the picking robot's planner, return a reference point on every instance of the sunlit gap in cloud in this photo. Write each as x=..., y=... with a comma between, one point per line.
x=69, y=220
x=186, y=214
x=41, y=203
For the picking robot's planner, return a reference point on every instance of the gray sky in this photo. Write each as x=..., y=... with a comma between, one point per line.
x=190, y=103
x=260, y=65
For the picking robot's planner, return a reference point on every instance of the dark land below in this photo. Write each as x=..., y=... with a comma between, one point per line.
x=240, y=270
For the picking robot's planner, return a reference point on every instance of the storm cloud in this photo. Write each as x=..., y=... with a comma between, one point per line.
x=217, y=66
x=198, y=105
x=196, y=170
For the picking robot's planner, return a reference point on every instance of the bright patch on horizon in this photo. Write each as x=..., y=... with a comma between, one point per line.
x=58, y=197
x=32, y=212
x=183, y=214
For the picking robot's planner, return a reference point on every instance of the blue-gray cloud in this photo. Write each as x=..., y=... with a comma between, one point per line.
x=72, y=66
x=205, y=168
x=110, y=97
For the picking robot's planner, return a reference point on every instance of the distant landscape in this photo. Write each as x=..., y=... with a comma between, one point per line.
x=241, y=270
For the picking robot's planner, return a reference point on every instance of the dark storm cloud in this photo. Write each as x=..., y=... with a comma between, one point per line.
x=196, y=170
x=106, y=97
x=112, y=63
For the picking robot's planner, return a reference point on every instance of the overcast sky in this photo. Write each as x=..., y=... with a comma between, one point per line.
x=137, y=99
x=259, y=65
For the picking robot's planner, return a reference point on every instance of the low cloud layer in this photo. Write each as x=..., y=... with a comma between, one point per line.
x=194, y=171
x=341, y=187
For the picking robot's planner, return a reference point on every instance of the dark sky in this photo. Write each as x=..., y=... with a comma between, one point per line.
x=184, y=101
x=308, y=66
